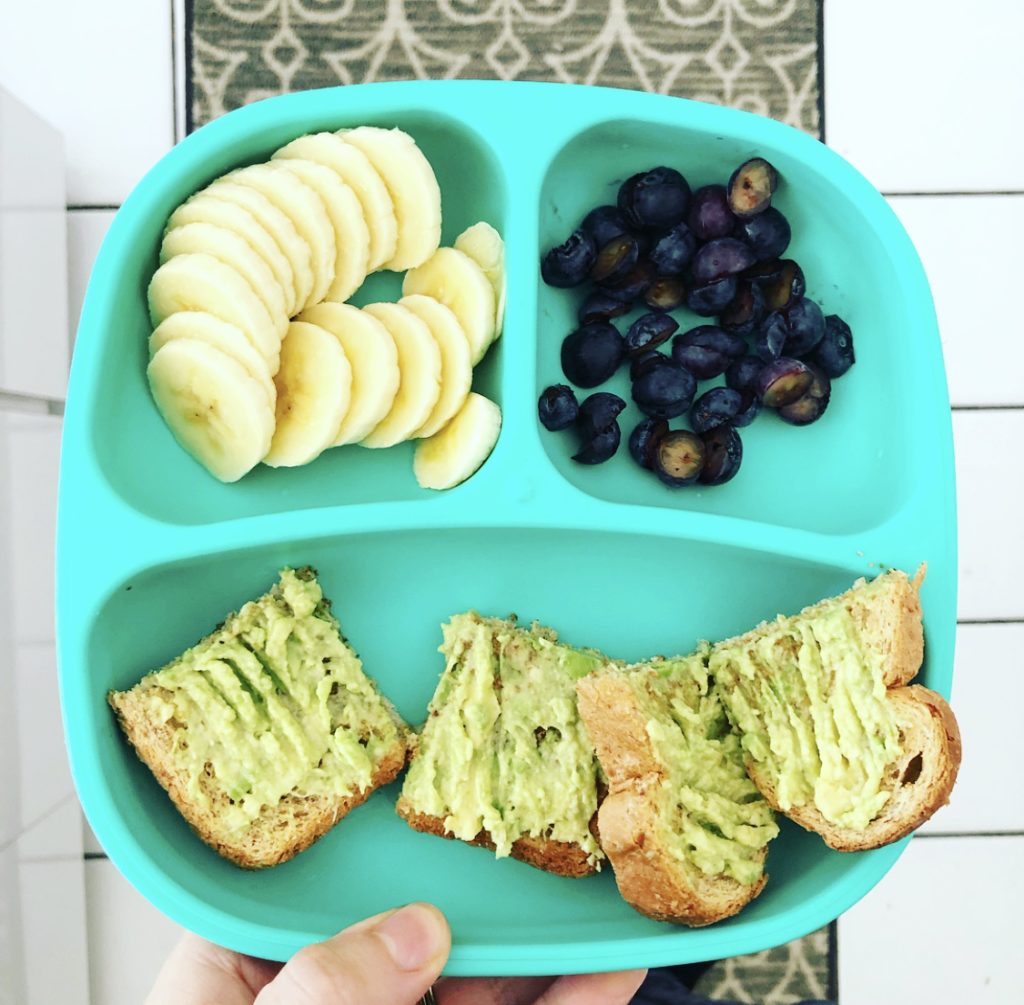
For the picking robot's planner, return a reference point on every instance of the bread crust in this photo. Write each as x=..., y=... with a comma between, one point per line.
x=928, y=728
x=563, y=858
x=280, y=832
x=649, y=876
x=930, y=736
x=894, y=629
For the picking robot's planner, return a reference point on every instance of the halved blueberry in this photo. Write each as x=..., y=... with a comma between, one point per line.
x=811, y=405
x=644, y=439
x=751, y=187
x=664, y=389
x=604, y=223
x=569, y=263
x=713, y=407
x=648, y=332
x=767, y=234
x=782, y=381
x=723, y=454
x=712, y=299
x=557, y=407
x=709, y=215
x=679, y=458
x=720, y=258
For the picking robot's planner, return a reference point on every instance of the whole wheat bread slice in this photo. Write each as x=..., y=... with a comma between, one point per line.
x=499, y=656
x=563, y=858
x=296, y=818
x=279, y=833
x=648, y=869
x=919, y=781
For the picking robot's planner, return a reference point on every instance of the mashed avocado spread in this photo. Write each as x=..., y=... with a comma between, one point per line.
x=809, y=700
x=713, y=818
x=503, y=748
x=274, y=702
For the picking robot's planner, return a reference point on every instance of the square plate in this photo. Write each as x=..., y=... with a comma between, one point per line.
x=153, y=551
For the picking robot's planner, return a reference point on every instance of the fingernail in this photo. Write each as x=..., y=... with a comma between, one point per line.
x=413, y=935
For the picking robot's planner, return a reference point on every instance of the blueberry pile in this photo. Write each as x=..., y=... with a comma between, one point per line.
x=716, y=252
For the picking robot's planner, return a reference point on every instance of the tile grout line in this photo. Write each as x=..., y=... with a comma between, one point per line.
x=931, y=835
x=45, y=815
x=821, y=72
x=31, y=404
x=990, y=621
x=954, y=193
x=987, y=408
x=174, y=71
x=832, y=988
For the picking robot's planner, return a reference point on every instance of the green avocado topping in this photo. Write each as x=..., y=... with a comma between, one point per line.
x=712, y=816
x=809, y=701
x=503, y=748
x=273, y=702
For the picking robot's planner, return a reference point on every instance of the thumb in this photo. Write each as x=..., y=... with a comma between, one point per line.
x=390, y=959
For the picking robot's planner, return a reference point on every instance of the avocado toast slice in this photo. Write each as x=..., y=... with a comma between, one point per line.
x=266, y=732
x=685, y=829
x=503, y=759
x=833, y=736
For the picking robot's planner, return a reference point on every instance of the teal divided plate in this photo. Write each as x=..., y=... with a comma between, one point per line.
x=153, y=551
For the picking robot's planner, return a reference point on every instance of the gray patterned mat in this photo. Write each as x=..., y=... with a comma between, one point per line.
x=759, y=55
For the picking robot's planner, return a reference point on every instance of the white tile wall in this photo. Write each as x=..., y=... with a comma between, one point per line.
x=987, y=796
x=12, y=950
x=30, y=496
x=53, y=920
x=943, y=926
x=33, y=262
x=56, y=834
x=922, y=95
x=41, y=868
x=86, y=230
x=103, y=78
x=129, y=939
x=990, y=485
x=969, y=245
x=45, y=774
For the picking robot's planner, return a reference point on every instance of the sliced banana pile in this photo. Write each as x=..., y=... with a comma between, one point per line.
x=257, y=357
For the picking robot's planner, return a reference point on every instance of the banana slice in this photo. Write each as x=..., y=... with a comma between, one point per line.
x=313, y=389
x=456, y=369
x=413, y=189
x=452, y=455
x=484, y=245
x=419, y=360
x=460, y=284
x=200, y=282
x=215, y=410
x=235, y=251
x=280, y=228
x=358, y=173
x=305, y=209
x=351, y=235
x=230, y=340
x=373, y=356
x=204, y=209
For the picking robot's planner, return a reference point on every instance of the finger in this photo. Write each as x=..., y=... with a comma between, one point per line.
x=391, y=959
x=594, y=989
x=491, y=990
x=197, y=972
